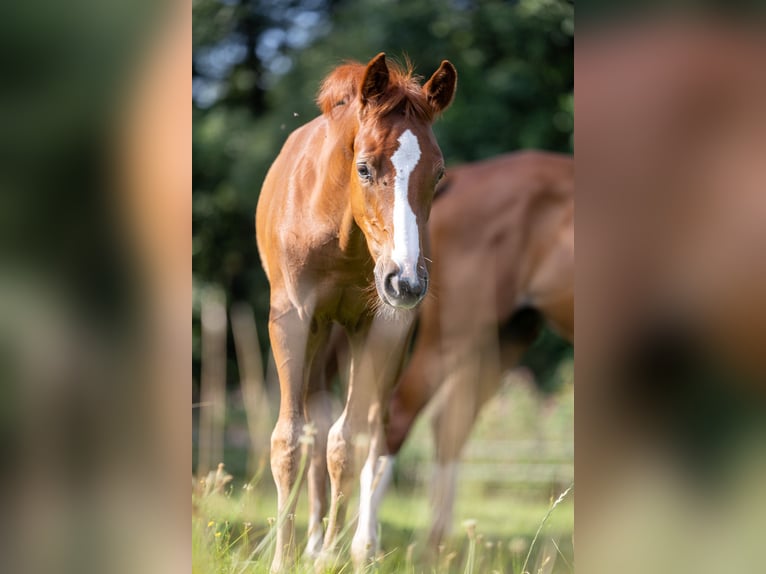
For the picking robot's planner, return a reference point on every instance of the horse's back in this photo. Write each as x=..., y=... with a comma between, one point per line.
x=482, y=199
x=508, y=220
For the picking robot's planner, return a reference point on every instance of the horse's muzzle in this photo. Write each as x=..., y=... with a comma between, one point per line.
x=404, y=291
x=401, y=290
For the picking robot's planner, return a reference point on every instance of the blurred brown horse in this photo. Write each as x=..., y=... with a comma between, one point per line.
x=671, y=277
x=502, y=237
x=339, y=225
x=672, y=273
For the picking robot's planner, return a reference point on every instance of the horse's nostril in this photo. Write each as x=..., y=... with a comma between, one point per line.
x=391, y=283
x=414, y=289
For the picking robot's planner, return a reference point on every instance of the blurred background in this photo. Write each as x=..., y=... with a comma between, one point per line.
x=95, y=213
x=671, y=277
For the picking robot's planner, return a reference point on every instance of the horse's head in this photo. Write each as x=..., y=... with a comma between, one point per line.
x=396, y=165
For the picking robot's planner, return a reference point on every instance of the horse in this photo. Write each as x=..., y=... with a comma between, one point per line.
x=510, y=221
x=340, y=228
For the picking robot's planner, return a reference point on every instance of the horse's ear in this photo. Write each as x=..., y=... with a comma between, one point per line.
x=375, y=79
x=440, y=89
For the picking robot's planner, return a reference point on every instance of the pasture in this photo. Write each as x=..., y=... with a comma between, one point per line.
x=517, y=463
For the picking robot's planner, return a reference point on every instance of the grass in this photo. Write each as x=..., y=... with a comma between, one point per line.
x=513, y=514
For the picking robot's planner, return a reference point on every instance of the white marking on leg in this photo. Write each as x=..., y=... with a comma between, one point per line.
x=406, y=238
x=374, y=481
x=316, y=535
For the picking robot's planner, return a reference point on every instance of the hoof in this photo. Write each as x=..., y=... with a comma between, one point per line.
x=313, y=548
x=325, y=560
x=362, y=552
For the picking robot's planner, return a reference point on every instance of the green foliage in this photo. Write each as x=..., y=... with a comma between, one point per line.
x=257, y=67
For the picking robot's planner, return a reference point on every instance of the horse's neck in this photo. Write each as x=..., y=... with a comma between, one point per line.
x=351, y=240
x=350, y=236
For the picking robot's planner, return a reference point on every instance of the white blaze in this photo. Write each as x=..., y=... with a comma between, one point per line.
x=406, y=240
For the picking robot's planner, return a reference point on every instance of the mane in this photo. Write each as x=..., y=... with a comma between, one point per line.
x=404, y=92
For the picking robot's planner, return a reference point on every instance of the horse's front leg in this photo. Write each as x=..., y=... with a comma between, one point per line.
x=380, y=361
x=341, y=444
x=291, y=344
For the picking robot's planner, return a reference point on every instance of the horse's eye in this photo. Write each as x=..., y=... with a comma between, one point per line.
x=440, y=175
x=364, y=171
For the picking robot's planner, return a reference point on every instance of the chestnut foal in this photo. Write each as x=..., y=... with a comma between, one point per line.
x=340, y=226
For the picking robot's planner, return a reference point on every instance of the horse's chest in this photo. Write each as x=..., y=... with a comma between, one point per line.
x=342, y=297
x=338, y=287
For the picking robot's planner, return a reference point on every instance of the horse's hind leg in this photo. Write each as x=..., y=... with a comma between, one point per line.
x=319, y=412
x=288, y=332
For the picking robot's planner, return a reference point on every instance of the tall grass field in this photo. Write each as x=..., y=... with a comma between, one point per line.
x=514, y=511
